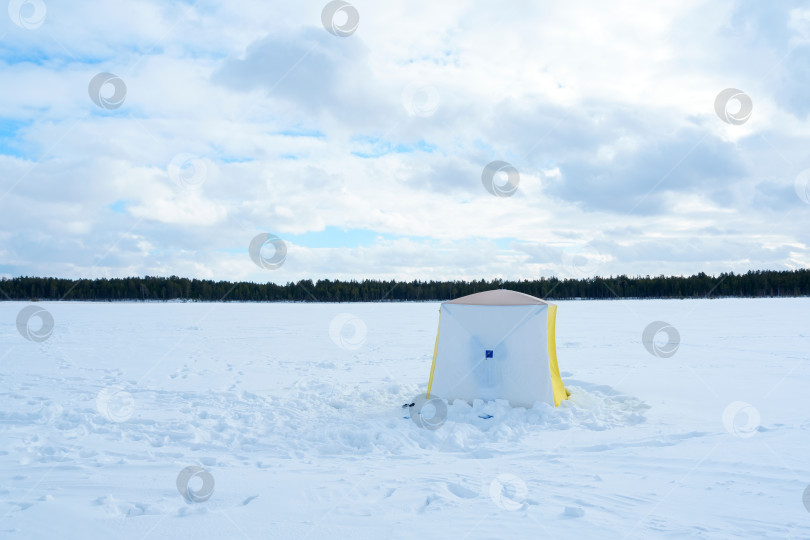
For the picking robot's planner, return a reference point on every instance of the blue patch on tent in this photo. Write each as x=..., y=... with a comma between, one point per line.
x=489, y=354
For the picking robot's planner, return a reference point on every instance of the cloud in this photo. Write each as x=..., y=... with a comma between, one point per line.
x=606, y=112
x=634, y=172
x=312, y=71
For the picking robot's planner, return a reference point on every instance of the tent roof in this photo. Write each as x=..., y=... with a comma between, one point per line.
x=498, y=297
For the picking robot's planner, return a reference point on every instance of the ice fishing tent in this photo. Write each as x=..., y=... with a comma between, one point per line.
x=497, y=345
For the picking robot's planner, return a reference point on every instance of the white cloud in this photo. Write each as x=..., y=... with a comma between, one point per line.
x=606, y=111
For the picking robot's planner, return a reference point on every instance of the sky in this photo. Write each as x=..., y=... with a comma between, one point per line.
x=403, y=139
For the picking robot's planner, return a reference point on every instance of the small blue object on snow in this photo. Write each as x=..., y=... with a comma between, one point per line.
x=489, y=354
x=485, y=416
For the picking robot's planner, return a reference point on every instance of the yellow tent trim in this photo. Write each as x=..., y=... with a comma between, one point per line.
x=557, y=385
x=435, y=351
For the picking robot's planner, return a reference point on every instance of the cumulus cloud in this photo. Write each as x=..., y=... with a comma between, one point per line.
x=247, y=118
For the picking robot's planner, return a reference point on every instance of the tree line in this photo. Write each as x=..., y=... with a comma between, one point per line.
x=761, y=283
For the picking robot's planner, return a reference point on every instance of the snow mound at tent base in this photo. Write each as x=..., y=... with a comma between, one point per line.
x=485, y=427
x=597, y=408
x=359, y=422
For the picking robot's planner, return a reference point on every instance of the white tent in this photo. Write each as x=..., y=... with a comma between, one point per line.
x=497, y=345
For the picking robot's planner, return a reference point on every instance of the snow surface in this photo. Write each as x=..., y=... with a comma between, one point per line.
x=294, y=410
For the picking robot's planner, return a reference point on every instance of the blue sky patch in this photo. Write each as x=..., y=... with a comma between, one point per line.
x=119, y=207
x=375, y=147
x=301, y=132
x=10, y=143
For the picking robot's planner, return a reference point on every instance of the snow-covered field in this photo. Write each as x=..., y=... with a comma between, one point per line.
x=300, y=430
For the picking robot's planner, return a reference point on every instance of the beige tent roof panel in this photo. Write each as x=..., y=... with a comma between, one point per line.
x=498, y=297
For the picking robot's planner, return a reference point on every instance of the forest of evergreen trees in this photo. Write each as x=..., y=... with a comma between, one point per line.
x=751, y=284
